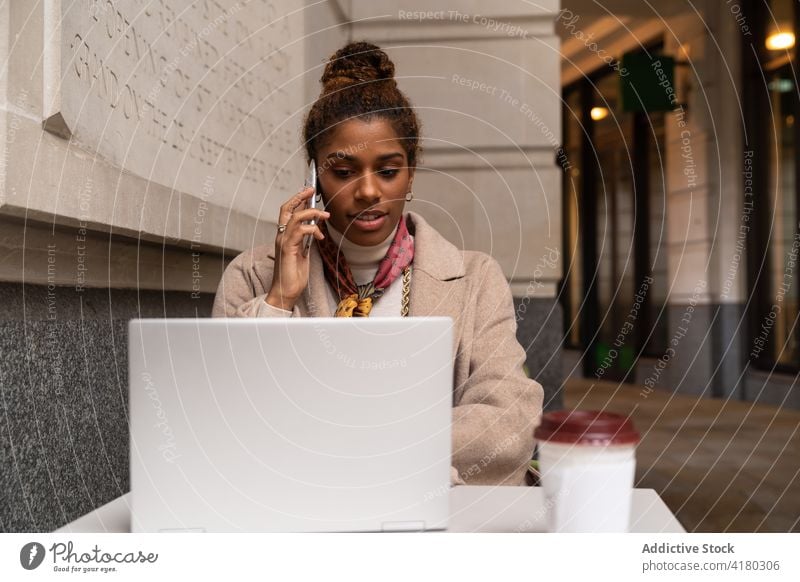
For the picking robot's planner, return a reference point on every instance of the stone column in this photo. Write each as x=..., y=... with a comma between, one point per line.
x=705, y=208
x=485, y=80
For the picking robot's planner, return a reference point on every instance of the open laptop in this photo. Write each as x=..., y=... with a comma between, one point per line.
x=290, y=424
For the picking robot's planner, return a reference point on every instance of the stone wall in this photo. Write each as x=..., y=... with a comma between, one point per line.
x=64, y=436
x=142, y=144
x=485, y=81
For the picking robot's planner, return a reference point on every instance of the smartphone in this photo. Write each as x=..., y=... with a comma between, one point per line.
x=311, y=180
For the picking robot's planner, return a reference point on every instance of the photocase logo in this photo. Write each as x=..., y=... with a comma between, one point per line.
x=31, y=555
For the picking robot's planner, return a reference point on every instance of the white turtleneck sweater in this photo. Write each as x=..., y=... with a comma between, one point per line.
x=363, y=263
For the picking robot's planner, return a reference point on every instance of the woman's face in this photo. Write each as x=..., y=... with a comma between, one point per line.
x=364, y=177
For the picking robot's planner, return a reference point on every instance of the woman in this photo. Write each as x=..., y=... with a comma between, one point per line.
x=372, y=259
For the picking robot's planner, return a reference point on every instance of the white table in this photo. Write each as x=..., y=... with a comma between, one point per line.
x=472, y=509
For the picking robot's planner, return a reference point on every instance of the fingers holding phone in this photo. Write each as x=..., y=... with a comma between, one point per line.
x=296, y=229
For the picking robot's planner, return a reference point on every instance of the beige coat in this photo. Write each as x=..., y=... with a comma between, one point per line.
x=495, y=406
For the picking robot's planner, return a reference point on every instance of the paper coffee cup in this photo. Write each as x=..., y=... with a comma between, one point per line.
x=587, y=460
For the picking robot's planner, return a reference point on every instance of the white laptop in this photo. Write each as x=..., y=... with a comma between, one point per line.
x=291, y=424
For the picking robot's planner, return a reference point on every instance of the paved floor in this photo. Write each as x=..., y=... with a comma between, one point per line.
x=718, y=465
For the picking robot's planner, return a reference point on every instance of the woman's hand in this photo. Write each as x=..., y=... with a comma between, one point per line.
x=290, y=277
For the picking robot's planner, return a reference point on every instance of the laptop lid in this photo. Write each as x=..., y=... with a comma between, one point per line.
x=291, y=424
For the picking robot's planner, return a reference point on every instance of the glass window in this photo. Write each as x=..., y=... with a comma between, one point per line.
x=656, y=305
x=570, y=163
x=612, y=239
x=772, y=132
x=613, y=141
x=782, y=188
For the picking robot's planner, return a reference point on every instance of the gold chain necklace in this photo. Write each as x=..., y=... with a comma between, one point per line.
x=406, y=290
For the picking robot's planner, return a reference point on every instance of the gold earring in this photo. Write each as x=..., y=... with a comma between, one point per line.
x=409, y=196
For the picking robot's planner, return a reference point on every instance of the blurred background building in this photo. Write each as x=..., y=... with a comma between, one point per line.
x=681, y=196
x=681, y=237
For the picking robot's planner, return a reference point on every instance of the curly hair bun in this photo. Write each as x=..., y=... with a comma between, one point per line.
x=359, y=83
x=355, y=63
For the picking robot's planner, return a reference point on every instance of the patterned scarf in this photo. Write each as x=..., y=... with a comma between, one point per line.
x=356, y=300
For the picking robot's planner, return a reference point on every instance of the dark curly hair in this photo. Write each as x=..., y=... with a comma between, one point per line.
x=358, y=83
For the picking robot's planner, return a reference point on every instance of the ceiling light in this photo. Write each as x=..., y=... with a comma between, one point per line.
x=779, y=41
x=598, y=113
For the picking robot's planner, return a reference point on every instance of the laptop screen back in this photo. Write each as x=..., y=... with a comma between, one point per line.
x=290, y=424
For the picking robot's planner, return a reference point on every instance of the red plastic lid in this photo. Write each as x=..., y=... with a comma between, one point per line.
x=586, y=427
